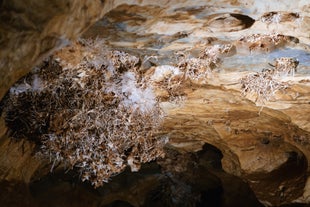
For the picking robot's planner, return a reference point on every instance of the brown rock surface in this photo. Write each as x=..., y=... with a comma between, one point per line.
x=268, y=147
x=31, y=30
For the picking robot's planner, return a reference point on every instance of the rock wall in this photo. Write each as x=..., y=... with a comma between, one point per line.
x=31, y=30
x=266, y=144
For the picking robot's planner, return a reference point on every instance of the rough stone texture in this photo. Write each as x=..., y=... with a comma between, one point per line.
x=32, y=29
x=29, y=31
x=267, y=147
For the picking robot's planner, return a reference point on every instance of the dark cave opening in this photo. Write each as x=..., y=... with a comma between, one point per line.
x=180, y=179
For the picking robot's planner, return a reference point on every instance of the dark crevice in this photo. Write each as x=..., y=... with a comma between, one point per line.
x=248, y=21
x=229, y=22
x=180, y=179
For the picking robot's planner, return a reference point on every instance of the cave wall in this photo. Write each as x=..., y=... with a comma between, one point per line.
x=28, y=35
x=31, y=30
x=265, y=148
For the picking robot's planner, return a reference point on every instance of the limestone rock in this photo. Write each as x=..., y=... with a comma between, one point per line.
x=264, y=143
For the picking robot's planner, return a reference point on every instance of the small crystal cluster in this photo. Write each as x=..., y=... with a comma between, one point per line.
x=200, y=69
x=264, y=84
x=285, y=66
x=170, y=79
x=264, y=42
x=273, y=38
x=277, y=17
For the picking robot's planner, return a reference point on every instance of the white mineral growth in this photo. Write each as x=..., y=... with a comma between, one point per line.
x=165, y=71
x=137, y=97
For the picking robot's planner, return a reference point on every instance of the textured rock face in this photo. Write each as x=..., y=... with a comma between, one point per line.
x=268, y=147
x=30, y=30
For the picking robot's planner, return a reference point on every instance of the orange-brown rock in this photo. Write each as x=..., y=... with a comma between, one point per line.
x=266, y=144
